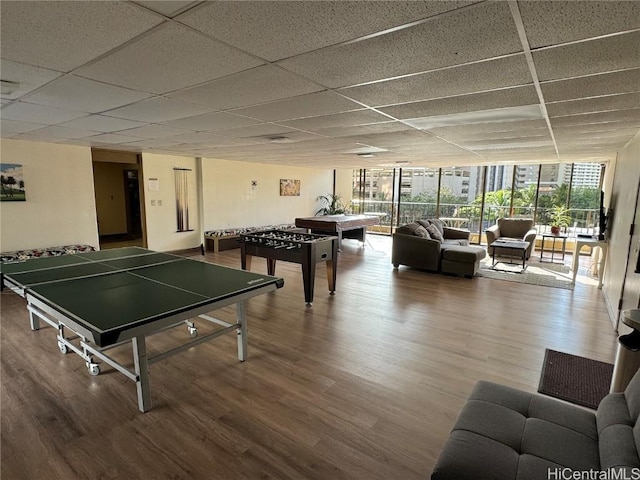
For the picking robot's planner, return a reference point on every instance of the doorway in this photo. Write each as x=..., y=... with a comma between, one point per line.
x=119, y=199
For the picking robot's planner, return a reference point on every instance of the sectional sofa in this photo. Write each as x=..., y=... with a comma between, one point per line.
x=430, y=245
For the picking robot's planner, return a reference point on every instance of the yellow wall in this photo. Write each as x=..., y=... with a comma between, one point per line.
x=230, y=200
x=60, y=206
x=160, y=205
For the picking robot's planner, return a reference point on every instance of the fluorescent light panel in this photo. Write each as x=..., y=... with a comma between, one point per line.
x=496, y=115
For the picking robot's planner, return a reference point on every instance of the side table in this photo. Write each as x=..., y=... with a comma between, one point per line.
x=553, y=245
x=589, y=242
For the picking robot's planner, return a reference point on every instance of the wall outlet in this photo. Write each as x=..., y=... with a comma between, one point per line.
x=153, y=203
x=159, y=203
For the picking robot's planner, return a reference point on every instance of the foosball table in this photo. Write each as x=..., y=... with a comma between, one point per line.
x=307, y=249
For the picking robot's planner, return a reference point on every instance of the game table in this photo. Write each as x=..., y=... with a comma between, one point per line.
x=104, y=299
x=306, y=249
x=343, y=226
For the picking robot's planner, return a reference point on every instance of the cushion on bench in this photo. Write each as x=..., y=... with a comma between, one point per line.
x=19, y=255
x=229, y=238
x=235, y=231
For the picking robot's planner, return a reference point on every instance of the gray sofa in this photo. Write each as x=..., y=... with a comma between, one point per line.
x=429, y=245
x=504, y=433
x=511, y=229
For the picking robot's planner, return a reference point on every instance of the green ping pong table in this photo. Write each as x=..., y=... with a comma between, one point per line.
x=104, y=299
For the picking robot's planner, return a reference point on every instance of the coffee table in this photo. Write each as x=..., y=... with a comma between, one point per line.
x=518, y=247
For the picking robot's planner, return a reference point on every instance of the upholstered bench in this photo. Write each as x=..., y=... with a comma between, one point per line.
x=504, y=433
x=229, y=238
x=19, y=255
x=462, y=260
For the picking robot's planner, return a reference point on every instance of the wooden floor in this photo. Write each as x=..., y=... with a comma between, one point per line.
x=366, y=384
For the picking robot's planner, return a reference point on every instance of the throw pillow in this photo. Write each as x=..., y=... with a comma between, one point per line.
x=417, y=230
x=439, y=224
x=435, y=233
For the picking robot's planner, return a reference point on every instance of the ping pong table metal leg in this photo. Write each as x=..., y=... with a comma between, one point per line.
x=241, y=319
x=33, y=320
x=142, y=370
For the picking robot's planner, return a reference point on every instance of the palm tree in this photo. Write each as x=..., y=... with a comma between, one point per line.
x=498, y=203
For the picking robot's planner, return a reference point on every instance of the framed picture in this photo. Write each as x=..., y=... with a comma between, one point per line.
x=12, y=183
x=289, y=188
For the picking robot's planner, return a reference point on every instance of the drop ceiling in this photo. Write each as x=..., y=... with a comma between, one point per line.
x=319, y=83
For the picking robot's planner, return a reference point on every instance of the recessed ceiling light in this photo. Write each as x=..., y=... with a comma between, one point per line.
x=366, y=155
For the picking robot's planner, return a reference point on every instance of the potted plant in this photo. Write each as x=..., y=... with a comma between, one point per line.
x=332, y=205
x=559, y=217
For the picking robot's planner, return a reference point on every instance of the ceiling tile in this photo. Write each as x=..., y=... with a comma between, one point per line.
x=169, y=58
x=29, y=112
x=258, y=85
x=468, y=35
x=168, y=8
x=348, y=119
x=282, y=137
x=394, y=139
x=565, y=136
x=26, y=77
x=212, y=122
x=370, y=129
x=111, y=138
x=447, y=62
x=157, y=109
x=64, y=35
x=201, y=138
x=279, y=29
x=11, y=126
x=509, y=97
x=314, y=104
x=57, y=132
x=256, y=131
x=592, y=86
x=154, y=131
x=476, y=77
x=516, y=142
x=490, y=129
x=550, y=23
x=591, y=105
x=586, y=58
x=83, y=95
x=101, y=123
x=154, y=143
x=630, y=115
x=596, y=128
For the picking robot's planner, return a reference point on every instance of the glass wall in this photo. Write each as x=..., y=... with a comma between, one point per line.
x=418, y=194
x=475, y=197
x=584, y=198
x=375, y=190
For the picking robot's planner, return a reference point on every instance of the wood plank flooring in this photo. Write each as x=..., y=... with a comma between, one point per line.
x=366, y=384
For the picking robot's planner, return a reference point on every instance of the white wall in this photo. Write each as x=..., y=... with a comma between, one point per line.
x=230, y=201
x=60, y=207
x=620, y=282
x=160, y=206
